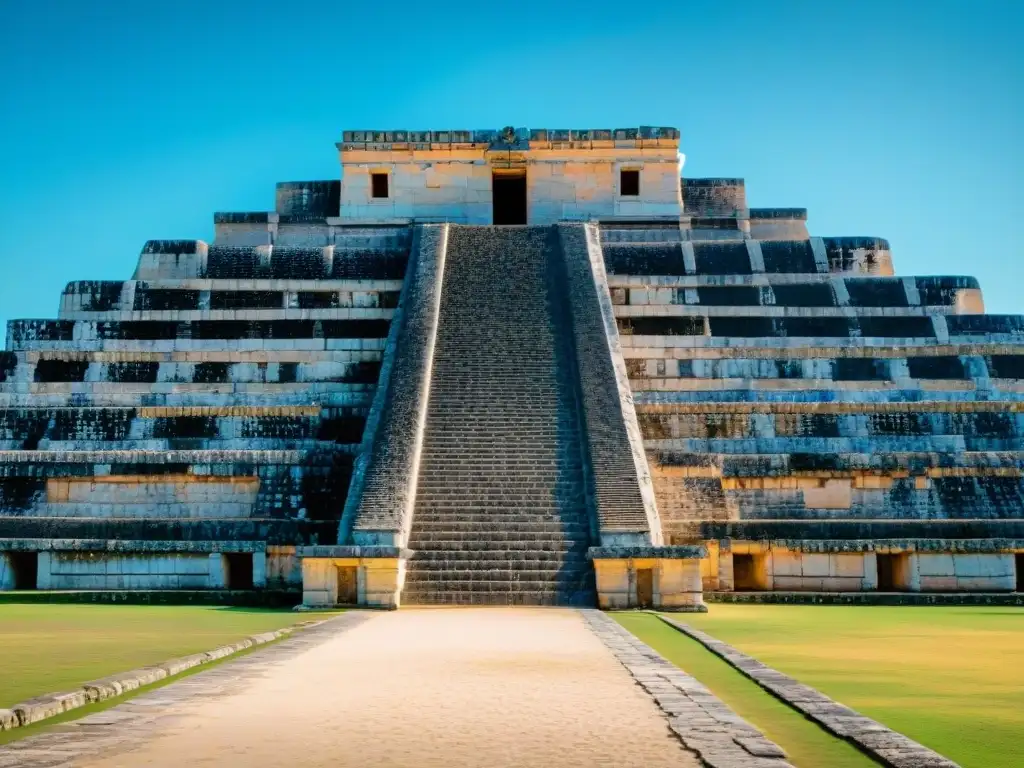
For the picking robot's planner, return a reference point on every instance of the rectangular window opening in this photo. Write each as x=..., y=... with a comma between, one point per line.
x=629, y=183
x=379, y=185
x=238, y=570
x=1018, y=560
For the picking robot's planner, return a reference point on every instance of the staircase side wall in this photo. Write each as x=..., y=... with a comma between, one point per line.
x=621, y=488
x=379, y=507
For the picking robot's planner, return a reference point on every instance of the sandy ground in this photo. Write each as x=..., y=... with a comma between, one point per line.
x=425, y=687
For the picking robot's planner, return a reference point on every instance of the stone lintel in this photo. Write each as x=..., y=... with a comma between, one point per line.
x=123, y=546
x=967, y=546
x=350, y=551
x=679, y=552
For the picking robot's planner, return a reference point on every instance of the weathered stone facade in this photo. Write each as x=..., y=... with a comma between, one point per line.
x=189, y=428
x=362, y=395
x=816, y=422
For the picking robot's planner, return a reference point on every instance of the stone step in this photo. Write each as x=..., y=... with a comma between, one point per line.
x=546, y=510
x=490, y=530
x=426, y=557
x=536, y=598
x=479, y=580
x=525, y=495
x=476, y=546
x=440, y=571
x=500, y=428
x=495, y=470
x=500, y=516
x=498, y=511
x=448, y=537
x=432, y=537
x=543, y=583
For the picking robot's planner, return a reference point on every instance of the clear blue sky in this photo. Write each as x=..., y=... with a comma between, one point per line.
x=123, y=121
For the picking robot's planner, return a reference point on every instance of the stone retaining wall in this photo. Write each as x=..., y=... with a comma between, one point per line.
x=50, y=705
x=885, y=745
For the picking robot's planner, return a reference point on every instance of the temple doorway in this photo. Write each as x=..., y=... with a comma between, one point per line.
x=509, y=197
x=348, y=585
x=25, y=569
x=644, y=587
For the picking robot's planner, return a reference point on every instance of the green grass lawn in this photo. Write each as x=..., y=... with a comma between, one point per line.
x=806, y=744
x=949, y=677
x=51, y=648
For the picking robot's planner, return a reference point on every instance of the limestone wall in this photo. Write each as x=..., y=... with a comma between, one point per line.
x=162, y=496
x=944, y=572
x=676, y=583
x=91, y=571
x=374, y=576
x=768, y=224
x=563, y=186
x=886, y=566
x=423, y=186
x=284, y=567
x=85, y=564
x=790, y=383
x=219, y=396
x=308, y=198
x=714, y=197
x=447, y=176
x=304, y=250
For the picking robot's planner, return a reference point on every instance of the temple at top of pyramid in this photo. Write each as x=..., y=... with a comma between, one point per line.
x=514, y=367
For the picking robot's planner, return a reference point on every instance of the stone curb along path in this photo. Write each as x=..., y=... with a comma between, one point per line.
x=705, y=725
x=51, y=704
x=884, y=744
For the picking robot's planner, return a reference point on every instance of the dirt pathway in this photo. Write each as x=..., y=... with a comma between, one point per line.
x=417, y=687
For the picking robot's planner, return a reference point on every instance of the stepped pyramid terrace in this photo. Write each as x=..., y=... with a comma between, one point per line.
x=530, y=367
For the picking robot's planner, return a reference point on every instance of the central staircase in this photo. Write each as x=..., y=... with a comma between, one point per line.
x=500, y=514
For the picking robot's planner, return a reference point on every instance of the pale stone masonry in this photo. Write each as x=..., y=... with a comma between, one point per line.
x=634, y=388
